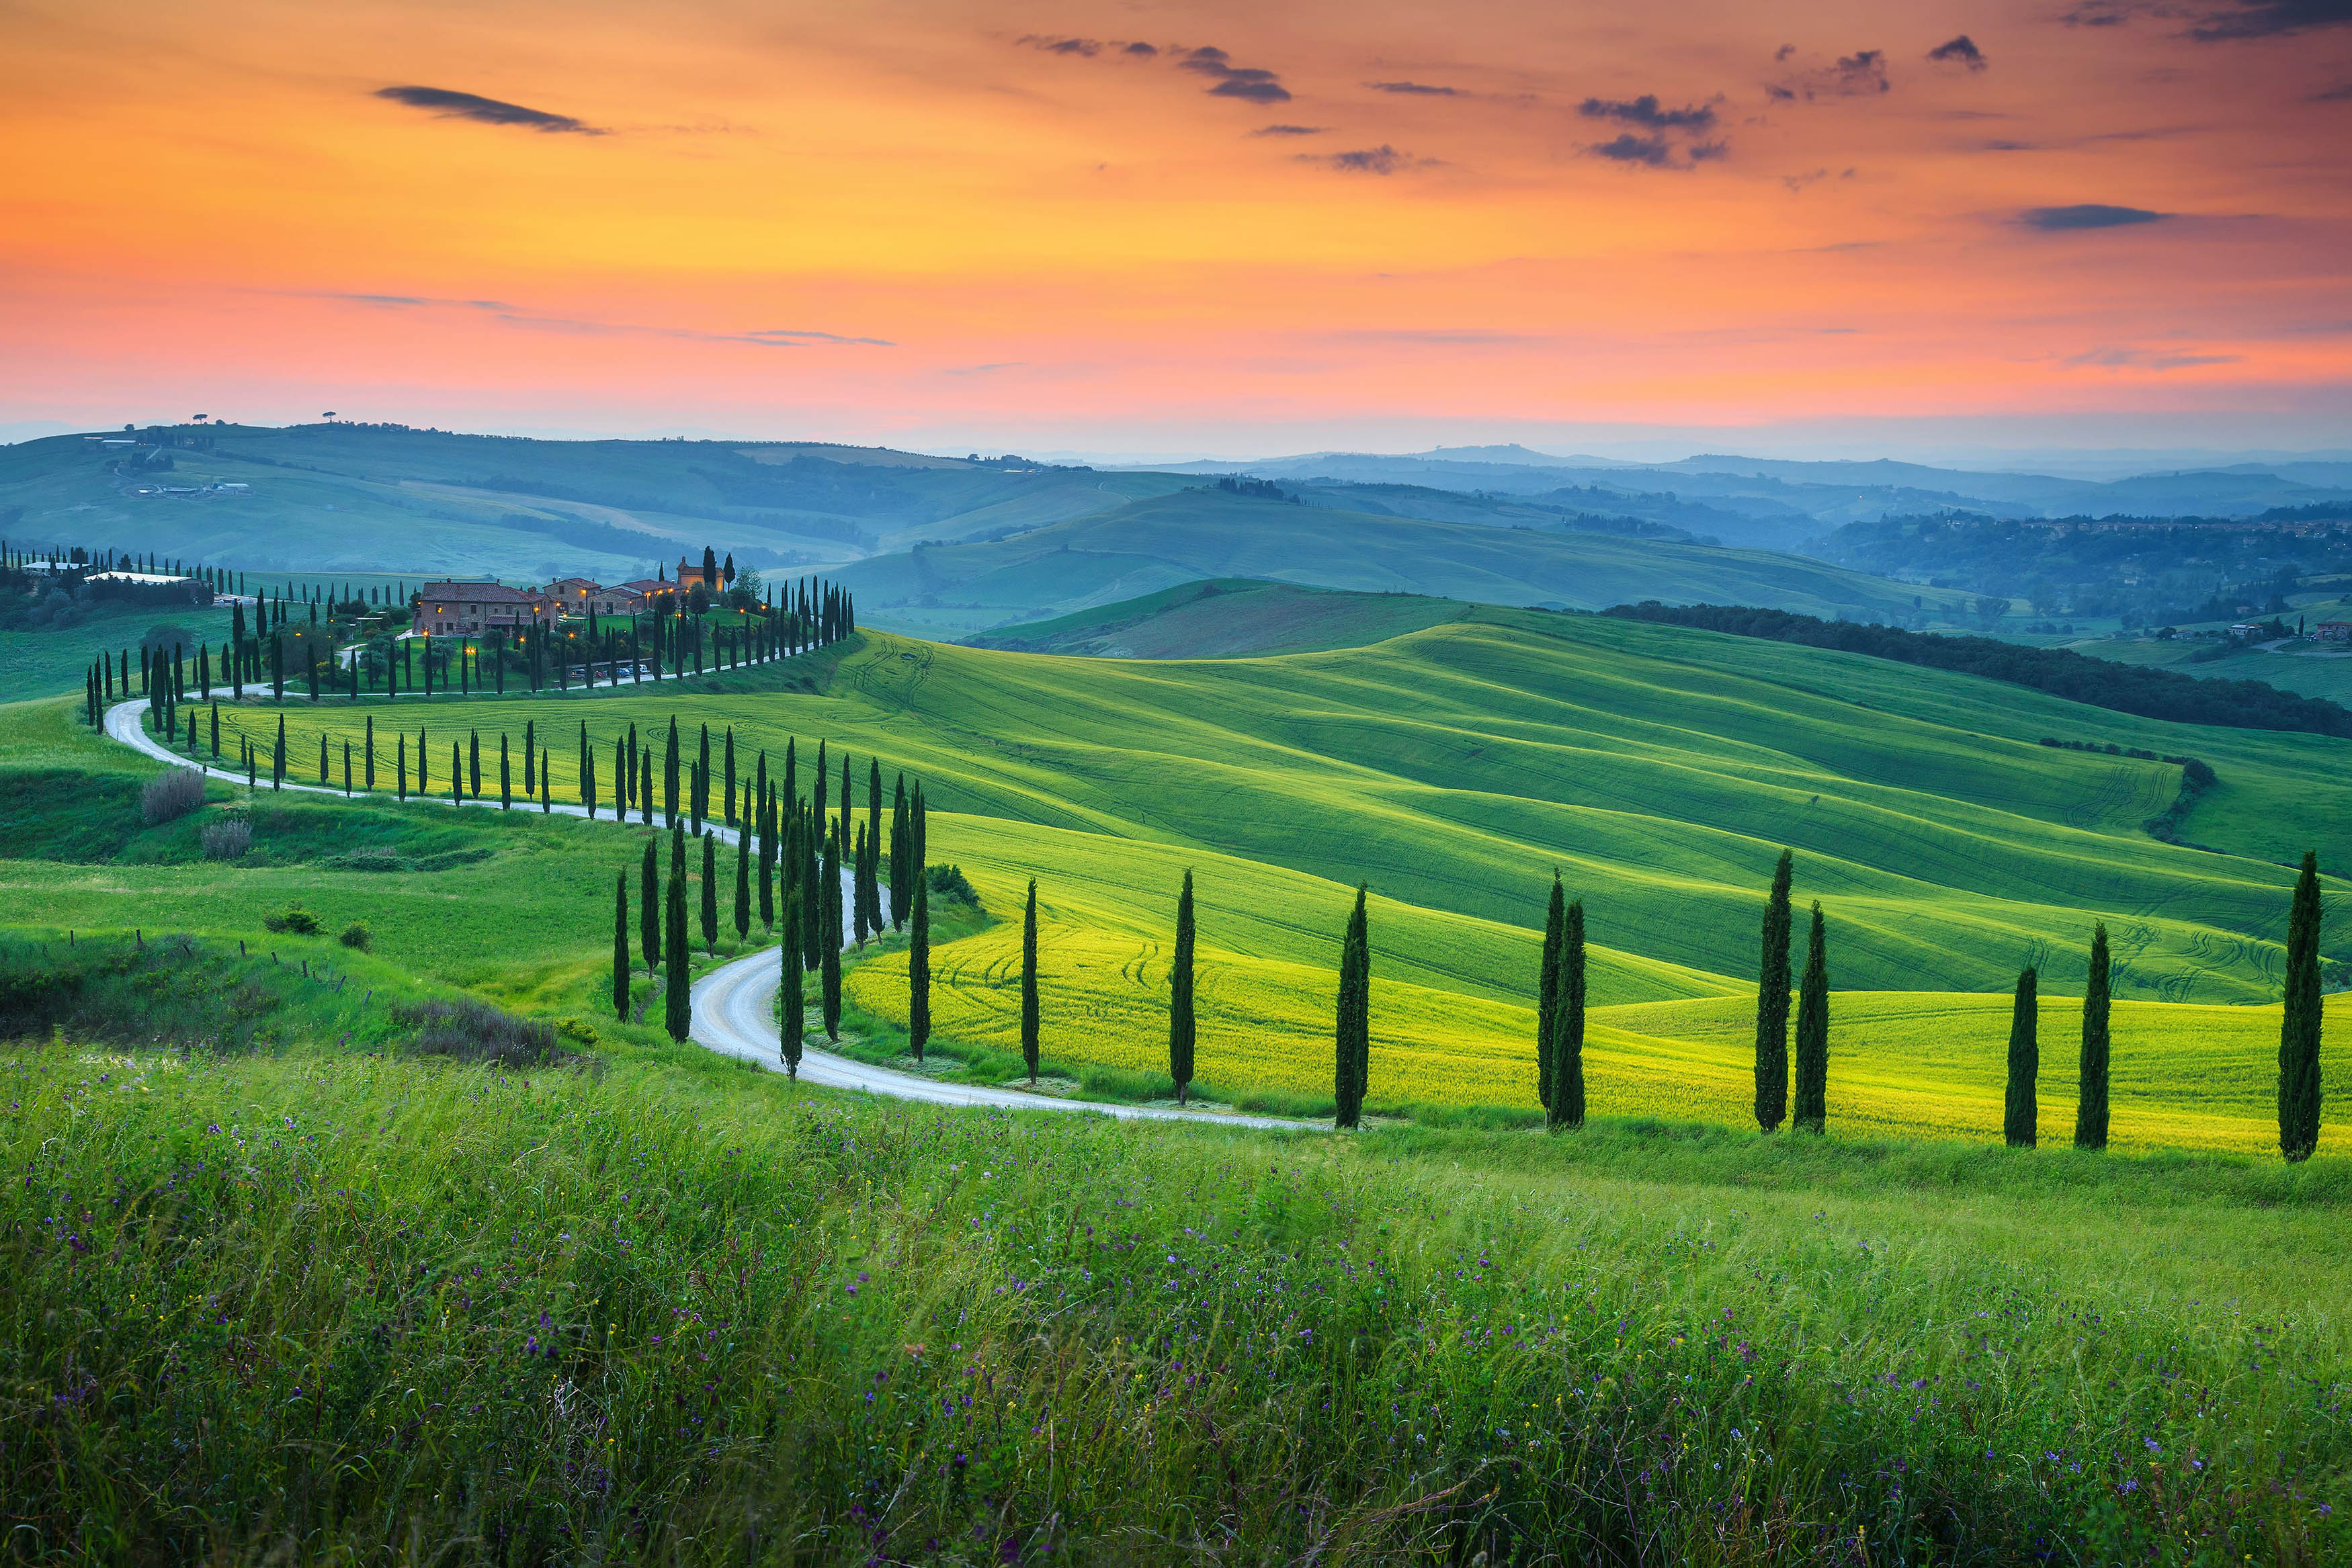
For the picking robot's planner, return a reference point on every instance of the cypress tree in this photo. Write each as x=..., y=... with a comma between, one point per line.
x=400, y=777
x=2300, y=1025
x=456, y=776
x=347, y=756
x=1179, y=996
x=277, y=758
x=474, y=763
x=587, y=782
x=678, y=1013
x=709, y=910
x=767, y=816
x=730, y=776
x=371, y=754
x=424, y=784
x=918, y=835
x=529, y=757
x=1352, y=1035
x=1548, y=991
x=645, y=786
x=546, y=787
x=2091, y=1106
x=918, y=973
x=1772, y=1004
x=322, y=757
x=650, y=911
x=702, y=782
x=2020, y=1114
x=669, y=776
x=369, y=757
x=1812, y=1110
x=874, y=917
x=621, y=945
x=794, y=1004
x=813, y=888
x=1567, y=1106
x=830, y=963
x=858, y=928
x=743, y=884
x=1029, y=984
x=898, y=889
x=506, y=779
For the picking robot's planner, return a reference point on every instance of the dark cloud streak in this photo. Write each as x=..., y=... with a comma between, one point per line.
x=2087, y=215
x=445, y=104
x=1960, y=51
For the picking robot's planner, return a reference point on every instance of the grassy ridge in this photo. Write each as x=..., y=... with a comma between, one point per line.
x=1451, y=766
x=697, y=1315
x=1161, y=541
x=1227, y=618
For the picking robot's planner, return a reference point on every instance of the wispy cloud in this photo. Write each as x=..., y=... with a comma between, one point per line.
x=2144, y=359
x=1645, y=111
x=1858, y=75
x=1249, y=83
x=1961, y=51
x=2087, y=215
x=1381, y=160
x=499, y=309
x=444, y=104
x=1415, y=88
x=2218, y=23
x=1290, y=130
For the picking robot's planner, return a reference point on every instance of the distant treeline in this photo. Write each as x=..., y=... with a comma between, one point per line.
x=2124, y=688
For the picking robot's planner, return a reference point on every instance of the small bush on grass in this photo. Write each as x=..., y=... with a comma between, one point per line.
x=475, y=1031
x=170, y=795
x=293, y=918
x=355, y=934
x=227, y=838
x=949, y=885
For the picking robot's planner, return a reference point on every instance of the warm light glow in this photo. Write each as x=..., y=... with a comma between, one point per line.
x=918, y=223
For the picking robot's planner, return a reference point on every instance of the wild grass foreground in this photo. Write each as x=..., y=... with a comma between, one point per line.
x=345, y=1308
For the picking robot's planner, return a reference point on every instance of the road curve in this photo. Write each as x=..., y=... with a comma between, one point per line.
x=734, y=1007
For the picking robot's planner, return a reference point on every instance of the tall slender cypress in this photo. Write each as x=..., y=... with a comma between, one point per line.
x=1548, y=991
x=730, y=776
x=2091, y=1106
x=702, y=782
x=1029, y=983
x=766, y=808
x=2020, y=1112
x=505, y=779
x=793, y=1002
x=743, y=884
x=649, y=921
x=645, y=786
x=621, y=945
x=1179, y=996
x=1810, y=1113
x=919, y=973
x=900, y=891
x=829, y=967
x=1352, y=1030
x=812, y=925
x=874, y=917
x=1566, y=1109
x=2300, y=1024
x=368, y=758
x=709, y=910
x=669, y=776
x=677, y=1009
x=529, y=757
x=1772, y=1003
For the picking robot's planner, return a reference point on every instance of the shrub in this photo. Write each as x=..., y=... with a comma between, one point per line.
x=577, y=1030
x=227, y=838
x=949, y=886
x=170, y=795
x=354, y=936
x=471, y=1031
x=294, y=918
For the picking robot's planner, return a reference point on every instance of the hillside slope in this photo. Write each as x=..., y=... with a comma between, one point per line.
x=1227, y=618
x=1453, y=767
x=350, y=498
x=1160, y=542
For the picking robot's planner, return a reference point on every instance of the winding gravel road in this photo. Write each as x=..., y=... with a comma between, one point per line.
x=734, y=1005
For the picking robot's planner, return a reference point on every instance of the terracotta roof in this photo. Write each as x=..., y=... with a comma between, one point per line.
x=645, y=585
x=473, y=593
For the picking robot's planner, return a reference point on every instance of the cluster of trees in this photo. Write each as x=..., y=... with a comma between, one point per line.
x=2141, y=689
x=790, y=851
x=815, y=613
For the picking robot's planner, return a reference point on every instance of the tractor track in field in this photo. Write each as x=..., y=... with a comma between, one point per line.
x=734, y=1005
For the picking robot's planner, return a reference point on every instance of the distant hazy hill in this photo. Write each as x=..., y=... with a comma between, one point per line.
x=1787, y=503
x=1228, y=618
x=1168, y=540
x=349, y=498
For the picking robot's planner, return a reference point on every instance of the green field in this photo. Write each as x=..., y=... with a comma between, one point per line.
x=1225, y=618
x=37, y=663
x=1151, y=545
x=1454, y=766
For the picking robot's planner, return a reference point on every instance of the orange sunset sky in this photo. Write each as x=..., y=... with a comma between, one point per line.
x=1169, y=228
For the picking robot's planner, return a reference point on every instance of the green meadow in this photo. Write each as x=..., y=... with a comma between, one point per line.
x=286, y=1283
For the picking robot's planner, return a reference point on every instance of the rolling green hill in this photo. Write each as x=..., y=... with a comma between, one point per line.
x=352, y=497
x=1227, y=618
x=1163, y=541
